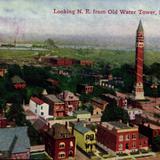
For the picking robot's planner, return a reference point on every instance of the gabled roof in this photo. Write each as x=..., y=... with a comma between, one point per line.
x=53, y=98
x=59, y=131
x=68, y=96
x=17, y=79
x=37, y=100
x=14, y=140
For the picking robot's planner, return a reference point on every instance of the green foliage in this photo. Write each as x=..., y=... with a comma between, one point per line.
x=16, y=114
x=50, y=44
x=114, y=113
x=156, y=144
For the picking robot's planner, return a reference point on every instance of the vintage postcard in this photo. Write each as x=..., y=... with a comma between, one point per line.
x=79, y=79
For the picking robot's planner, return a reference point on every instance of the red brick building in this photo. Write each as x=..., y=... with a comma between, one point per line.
x=59, y=142
x=3, y=121
x=18, y=83
x=86, y=62
x=56, y=106
x=120, y=137
x=84, y=88
x=149, y=130
x=71, y=101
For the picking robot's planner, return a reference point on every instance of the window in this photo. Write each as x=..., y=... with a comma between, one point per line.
x=35, y=110
x=61, y=145
x=134, y=145
x=42, y=113
x=71, y=144
x=133, y=136
x=127, y=137
x=61, y=155
x=120, y=148
x=121, y=138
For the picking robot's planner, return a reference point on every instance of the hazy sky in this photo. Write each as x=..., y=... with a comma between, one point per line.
x=35, y=17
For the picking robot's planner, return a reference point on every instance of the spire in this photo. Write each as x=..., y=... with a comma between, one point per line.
x=140, y=27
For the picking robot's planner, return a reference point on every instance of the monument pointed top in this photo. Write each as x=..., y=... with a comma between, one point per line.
x=140, y=27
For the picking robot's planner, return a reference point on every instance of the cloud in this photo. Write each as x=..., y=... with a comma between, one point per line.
x=36, y=17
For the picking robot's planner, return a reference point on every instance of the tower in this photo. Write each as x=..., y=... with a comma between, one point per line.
x=139, y=91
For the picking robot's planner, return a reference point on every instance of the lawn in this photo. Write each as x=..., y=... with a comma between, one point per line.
x=40, y=156
x=114, y=57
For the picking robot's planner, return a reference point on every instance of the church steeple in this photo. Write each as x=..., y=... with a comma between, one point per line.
x=140, y=27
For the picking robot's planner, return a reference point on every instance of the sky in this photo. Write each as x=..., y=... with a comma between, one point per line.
x=25, y=17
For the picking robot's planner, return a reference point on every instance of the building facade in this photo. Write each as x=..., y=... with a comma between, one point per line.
x=39, y=107
x=71, y=101
x=60, y=143
x=120, y=137
x=56, y=106
x=99, y=105
x=85, y=138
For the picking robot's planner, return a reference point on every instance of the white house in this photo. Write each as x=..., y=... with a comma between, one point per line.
x=39, y=107
x=132, y=112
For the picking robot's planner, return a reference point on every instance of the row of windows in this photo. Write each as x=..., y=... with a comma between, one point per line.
x=120, y=147
x=62, y=155
x=127, y=137
x=62, y=145
x=90, y=137
x=42, y=113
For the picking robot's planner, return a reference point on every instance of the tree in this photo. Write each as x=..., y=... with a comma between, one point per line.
x=16, y=114
x=50, y=44
x=114, y=113
x=156, y=144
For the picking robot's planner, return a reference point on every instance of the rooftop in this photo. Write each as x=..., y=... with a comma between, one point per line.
x=17, y=79
x=152, y=126
x=81, y=112
x=59, y=131
x=99, y=100
x=80, y=128
x=53, y=98
x=37, y=100
x=14, y=140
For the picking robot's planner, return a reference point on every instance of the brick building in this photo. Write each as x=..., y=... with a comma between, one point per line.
x=18, y=82
x=149, y=130
x=56, y=106
x=84, y=88
x=60, y=143
x=71, y=101
x=120, y=137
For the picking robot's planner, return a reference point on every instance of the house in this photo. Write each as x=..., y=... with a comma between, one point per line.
x=39, y=107
x=122, y=99
x=149, y=130
x=85, y=137
x=60, y=143
x=14, y=143
x=3, y=71
x=82, y=115
x=85, y=62
x=132, y=112
x=120, y=137
x=3, y=121
x=99, y=105
x=85, y=88
x=18, y=83
x=57, y=106
x=71, y=101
